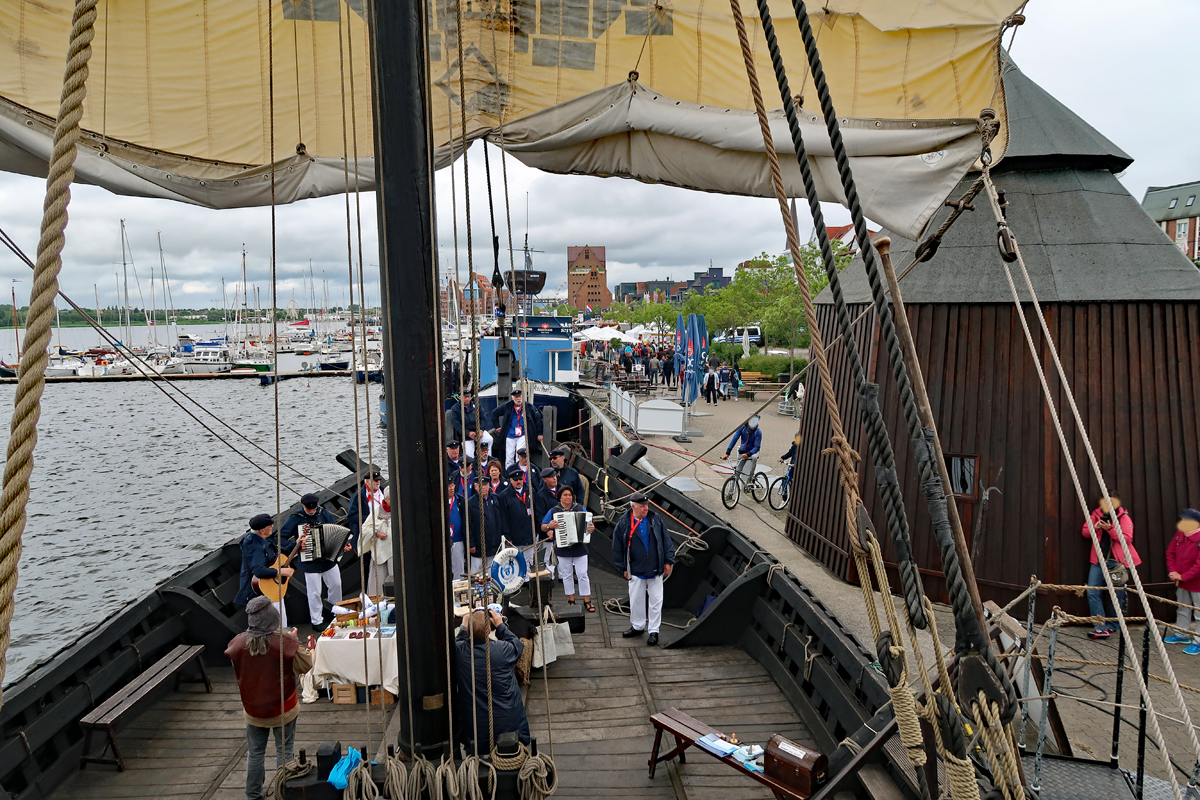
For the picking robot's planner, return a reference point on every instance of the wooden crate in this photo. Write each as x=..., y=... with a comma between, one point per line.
x=387, y=697
x=344, y=694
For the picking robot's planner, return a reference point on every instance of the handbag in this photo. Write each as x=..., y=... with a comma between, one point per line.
x=545, y=649
x=1117, y=573
x=563, y=644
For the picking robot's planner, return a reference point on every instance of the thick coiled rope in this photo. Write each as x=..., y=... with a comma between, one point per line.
x=446, y=781
x=395, y=777
x=469, y=780
x=292, y=769
x=31, y=381
x=359, y=784
x=960, y=770
x=510, y=762
x=538, y=778
x=422, y=777
x=895, y=669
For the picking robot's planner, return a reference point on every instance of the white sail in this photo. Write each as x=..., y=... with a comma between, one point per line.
x=179, y=95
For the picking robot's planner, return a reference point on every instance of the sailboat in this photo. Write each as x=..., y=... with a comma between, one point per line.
x=577, y=92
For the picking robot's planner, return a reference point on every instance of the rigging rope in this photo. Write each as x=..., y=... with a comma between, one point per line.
x=881, y=447
x=1081, y=431
x=31, y=381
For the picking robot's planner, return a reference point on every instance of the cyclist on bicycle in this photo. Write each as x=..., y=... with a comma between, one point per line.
x=794, y=451
x=748, y=440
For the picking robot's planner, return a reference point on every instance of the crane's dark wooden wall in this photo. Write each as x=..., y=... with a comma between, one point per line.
x=1135, y=371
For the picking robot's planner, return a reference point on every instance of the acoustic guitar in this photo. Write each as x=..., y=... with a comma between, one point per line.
x=274, y=589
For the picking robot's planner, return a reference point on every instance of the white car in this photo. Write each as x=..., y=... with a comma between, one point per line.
x=736, y=335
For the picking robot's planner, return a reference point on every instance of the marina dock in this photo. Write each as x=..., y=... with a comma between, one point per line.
x=283, y=376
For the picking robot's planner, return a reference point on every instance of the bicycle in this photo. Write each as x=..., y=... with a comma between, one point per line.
x=756, y=484
x=778, y=494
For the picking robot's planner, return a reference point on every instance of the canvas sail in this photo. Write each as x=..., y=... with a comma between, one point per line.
x=179, y=99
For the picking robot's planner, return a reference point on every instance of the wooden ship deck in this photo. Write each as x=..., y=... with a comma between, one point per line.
x=191, y=745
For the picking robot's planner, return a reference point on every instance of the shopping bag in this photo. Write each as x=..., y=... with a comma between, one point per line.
x=562, y=640
x=545, y=650
x=339, y=776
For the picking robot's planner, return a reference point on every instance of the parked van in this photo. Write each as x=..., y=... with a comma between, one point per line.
x=736, y=335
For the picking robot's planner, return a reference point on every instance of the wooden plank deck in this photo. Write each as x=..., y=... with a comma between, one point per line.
x=190, y=745
x=601, y=700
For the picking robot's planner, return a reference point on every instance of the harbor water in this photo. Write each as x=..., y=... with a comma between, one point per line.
x=128, y=489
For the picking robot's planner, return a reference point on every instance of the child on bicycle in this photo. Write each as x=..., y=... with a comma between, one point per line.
x=794, y=451
x=749, y=441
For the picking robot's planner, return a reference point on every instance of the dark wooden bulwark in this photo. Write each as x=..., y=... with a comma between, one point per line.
x=1135, y=371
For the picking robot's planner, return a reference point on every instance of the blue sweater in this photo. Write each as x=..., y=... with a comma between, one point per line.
x=630, y=552
x=752, y=441
x=257, y=556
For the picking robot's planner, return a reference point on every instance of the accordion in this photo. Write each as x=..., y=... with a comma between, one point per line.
x=324, y=543
x=572, y=528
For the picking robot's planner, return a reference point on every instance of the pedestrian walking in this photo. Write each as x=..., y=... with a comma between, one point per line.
x=1183, y=568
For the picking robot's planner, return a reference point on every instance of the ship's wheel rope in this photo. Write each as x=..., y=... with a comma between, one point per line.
x=1011, y=252
x=31, y=381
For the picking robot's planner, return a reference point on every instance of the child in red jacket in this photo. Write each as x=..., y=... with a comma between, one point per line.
x=1183, y=566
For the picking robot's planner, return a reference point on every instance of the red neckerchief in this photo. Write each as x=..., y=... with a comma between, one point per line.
x=633, y=523
x=520, y=495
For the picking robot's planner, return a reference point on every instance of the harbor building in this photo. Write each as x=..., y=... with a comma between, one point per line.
x=587, y=279
x=1122, y=304
x=1176, y=211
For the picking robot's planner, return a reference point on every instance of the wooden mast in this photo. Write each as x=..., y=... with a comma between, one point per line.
x=408, y=277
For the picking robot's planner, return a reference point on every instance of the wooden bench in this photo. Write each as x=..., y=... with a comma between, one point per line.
x=686, y=730
x=108, y=715
x=750, y=389
x=752, y=377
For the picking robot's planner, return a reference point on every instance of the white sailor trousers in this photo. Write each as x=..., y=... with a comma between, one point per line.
x=332, y=578
x=511, y=446
x=458, y=560
x=575, y=568
x=639, y=590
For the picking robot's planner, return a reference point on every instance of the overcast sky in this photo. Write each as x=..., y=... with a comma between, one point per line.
x=1129, y=74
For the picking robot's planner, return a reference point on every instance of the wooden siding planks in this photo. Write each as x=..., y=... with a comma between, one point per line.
x=1135, y=371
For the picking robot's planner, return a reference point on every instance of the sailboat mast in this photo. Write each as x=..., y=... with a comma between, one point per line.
x=162, y=262
x=16, y=322
x=409, y=285
x=125, y=269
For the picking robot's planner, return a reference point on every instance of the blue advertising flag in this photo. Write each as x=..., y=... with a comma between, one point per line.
x=680, y=335
x=689, y=367
x=701, y=348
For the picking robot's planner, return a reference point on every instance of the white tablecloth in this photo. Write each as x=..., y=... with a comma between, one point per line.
x=341, y=660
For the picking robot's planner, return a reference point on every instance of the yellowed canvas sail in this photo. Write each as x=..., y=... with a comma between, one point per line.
x=192, y=99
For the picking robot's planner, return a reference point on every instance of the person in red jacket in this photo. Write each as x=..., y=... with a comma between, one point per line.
x=1183, y=567
x=1112, y=551
x=256, y=655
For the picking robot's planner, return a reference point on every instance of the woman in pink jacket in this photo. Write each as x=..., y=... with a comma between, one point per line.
x=1112, y=550
x=1183, y=566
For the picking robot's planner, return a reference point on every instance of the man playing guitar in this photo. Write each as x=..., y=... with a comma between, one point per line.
x=258, y=554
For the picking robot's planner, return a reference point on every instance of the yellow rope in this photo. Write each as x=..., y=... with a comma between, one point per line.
x=32, y=378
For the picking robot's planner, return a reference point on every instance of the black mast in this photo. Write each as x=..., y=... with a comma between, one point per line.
x=408, y=275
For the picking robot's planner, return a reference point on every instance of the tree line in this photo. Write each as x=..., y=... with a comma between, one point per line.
x=763, y=292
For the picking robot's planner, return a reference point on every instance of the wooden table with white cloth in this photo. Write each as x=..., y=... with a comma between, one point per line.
x=340, y=660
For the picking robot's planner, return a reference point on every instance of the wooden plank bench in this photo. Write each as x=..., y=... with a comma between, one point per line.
x=686, y=730
x=769, y=387
x=108, y=715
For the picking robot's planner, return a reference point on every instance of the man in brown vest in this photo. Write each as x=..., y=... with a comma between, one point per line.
x=256, y=656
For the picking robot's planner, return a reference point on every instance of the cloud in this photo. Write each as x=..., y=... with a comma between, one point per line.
x=1131, y=94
